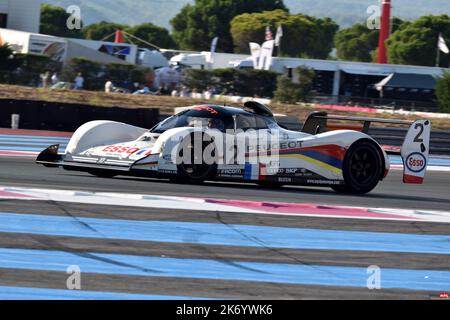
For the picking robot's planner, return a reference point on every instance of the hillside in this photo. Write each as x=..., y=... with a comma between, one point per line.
x=345, y=12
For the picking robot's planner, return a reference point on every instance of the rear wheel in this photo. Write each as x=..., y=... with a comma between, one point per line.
x=362, y=168
x=194, y=168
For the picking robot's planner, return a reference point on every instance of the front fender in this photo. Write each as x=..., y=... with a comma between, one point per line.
x=97, y=133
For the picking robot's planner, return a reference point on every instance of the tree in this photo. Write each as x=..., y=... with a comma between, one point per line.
x=153, y=34
x=359, y=43
x=416, y=43
x=101, y=30
x=300, y=32
x=297, y=89
x=6, y=56
x=196, y=25
x=54, y=22
x=443, y=93
x=8, y=63
x=147, y=31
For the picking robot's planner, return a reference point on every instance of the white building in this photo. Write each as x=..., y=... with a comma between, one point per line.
x=23, y=15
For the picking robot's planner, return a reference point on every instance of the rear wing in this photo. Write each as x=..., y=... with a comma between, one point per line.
x=414, y=150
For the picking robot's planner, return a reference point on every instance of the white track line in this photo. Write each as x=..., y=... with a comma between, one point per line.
x=199, y=204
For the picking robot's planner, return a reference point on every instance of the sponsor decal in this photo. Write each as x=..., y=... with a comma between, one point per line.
x=416, y=162
x=120, y=149
x=206, y=108
x=324, y=182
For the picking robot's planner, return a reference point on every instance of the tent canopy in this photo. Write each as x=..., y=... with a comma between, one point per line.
x=407, y=81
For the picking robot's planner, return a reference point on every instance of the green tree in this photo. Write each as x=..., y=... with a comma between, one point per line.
x=8, y=63
x=359, y=43
x=196, y=25
x=443, y=93
x=300, y=32
x=54, y=22
x=416, y=43
x=153, y=34
x=6, y=57
x=297, y=89
x=101, y=30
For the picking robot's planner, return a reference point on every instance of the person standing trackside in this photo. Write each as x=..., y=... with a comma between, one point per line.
x=55, y=78
x=79, y=82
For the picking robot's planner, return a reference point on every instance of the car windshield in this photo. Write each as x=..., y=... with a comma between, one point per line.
x=194, y=118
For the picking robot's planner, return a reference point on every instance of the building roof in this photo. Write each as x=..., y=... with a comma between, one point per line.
x=408, y=81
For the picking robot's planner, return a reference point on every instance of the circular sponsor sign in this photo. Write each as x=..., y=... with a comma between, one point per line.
x=416, y=162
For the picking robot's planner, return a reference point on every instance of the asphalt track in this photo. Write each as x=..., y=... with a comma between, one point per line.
x=391, y=193
x=131, y=269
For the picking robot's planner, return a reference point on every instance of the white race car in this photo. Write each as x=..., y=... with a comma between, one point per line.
x=210, y=142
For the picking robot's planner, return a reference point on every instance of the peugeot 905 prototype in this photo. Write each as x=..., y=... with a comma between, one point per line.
x=245, y=145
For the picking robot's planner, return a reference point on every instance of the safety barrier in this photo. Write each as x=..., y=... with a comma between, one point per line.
x=57, y=116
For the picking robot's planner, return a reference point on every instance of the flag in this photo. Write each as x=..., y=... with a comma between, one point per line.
x=214, y=44
x=269, y=35
x=279, y=36
x=265, y=60
x=442, y=45
x=210, y=57
x=255, y=50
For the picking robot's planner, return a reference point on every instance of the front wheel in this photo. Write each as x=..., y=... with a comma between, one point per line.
x=193, y=168
x=362, y=168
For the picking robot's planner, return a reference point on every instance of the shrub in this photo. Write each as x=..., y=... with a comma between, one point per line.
x=296, y=89
x=249, y=82
x=96, y=74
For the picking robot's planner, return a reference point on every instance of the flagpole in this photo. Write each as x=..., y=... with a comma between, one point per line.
x=438, y=56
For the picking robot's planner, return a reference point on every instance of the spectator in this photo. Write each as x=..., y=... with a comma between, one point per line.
x=144, y=90
x=208, y=93
x=109, y=86
x=46, y=79
x=79, y=82
x=184, y=93
x=55, y=78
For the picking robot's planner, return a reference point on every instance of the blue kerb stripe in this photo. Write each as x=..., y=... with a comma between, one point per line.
x=432, y=161
x=223, y=270
x=30, y=143
x=9, y=148
x=34, y=138
x=219, y=234
x=23, y=293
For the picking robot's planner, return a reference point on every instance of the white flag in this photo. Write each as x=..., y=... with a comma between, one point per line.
x=213, y=50
x=255, y=50
x=442, y=45
x=279, y=35
x=265, y=61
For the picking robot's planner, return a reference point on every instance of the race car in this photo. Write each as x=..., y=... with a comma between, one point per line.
x=212, y=142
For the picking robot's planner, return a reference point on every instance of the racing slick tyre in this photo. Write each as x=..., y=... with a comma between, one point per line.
x=102, y=173
x=194, y=168
x=362, y=168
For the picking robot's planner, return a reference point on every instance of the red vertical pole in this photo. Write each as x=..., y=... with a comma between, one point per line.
x=119, y=37
x=384, y=31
